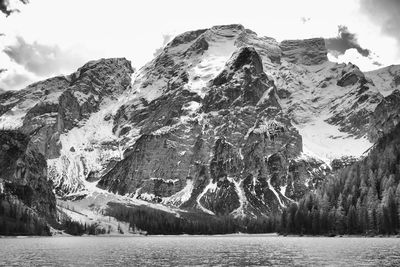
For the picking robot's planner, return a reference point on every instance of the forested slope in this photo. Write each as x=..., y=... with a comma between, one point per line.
x=359, y=199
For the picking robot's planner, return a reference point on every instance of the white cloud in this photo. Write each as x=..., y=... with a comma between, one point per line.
x=353, y=56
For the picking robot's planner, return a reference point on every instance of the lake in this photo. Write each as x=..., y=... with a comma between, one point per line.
x=229, y=250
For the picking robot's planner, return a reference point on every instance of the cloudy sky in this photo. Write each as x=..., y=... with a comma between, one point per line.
x=51, y=37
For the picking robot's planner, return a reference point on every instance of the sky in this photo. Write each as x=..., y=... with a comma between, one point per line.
x=52, y=37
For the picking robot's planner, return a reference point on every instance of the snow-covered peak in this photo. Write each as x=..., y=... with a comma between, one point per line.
x=196, y=57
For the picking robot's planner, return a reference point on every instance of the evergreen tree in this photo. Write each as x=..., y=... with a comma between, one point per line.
x=352, y=224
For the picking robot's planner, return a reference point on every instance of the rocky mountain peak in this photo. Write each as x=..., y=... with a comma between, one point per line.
x=99, y=71
x=244, y=57
x=106, y=62
x=184, y=38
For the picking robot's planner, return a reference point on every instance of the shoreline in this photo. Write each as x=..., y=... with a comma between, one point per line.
x=216, y=235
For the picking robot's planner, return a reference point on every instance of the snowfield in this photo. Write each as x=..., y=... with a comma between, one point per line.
x=211, y=64
x=324, y=141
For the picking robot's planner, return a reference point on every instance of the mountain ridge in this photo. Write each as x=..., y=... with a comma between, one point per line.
x=222, y=121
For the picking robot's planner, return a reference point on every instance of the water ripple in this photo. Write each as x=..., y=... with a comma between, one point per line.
x=234, y=250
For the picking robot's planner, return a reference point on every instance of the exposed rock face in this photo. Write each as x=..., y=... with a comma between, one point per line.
x=311, y=94
x=385, y=117
x=350, y=75
x=386, y=79
x=307, y=52
x=355, y=118
x=232, y=88
x=23, y=174
x=186, y=37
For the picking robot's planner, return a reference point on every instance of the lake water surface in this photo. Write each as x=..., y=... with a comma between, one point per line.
x=230, y=250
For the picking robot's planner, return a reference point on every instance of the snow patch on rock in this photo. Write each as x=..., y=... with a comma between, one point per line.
x=86, y=149
x=210, y=187
x=182, y=196
x=275, y=193
x=239, y=212
x=211, y=64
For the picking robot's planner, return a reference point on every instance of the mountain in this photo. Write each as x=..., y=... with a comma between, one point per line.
x=221, y=122
x=52, y=110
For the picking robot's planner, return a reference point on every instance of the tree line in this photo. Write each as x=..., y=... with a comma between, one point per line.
x=17, y=219
x=155, y=221
x=77, y=228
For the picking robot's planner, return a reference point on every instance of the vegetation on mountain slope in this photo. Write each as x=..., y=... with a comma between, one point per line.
x=27, y=200
x=363, y=198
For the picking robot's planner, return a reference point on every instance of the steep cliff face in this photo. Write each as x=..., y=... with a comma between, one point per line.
x=307, y=52
x=196, y=150
x=82, y=121
x=386, y=116
x=48, y=110
x=222, y=121
x=23, y=175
